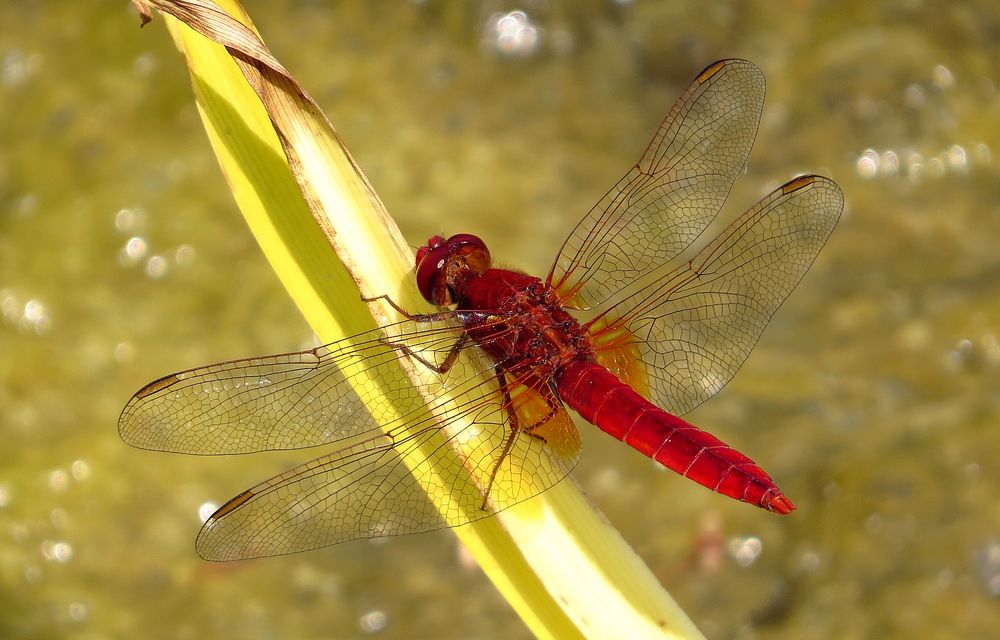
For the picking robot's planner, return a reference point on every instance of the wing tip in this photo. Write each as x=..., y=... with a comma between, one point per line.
x=711, y=70
x=157, y=385
x=797, y=183
x=816, y=181
x=230, y=506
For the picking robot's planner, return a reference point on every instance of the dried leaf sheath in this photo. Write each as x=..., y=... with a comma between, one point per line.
x=569, y=535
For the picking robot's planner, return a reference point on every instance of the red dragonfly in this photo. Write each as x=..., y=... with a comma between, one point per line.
x=486, y=427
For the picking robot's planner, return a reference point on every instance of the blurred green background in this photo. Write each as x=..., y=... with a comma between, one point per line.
x=872, y=398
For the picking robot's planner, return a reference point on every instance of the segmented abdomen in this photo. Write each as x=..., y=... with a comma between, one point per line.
x=605, y=401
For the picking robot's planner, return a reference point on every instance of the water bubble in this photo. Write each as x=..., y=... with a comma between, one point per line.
x=57, y=551
x=58, y=480
x=126, y=220
x=34, y=310
x=20, y=533
x=745, y=550
x=957, y=159
x=134, y=250
x=16, y=67
x=990, y=347
x=62, y=552
x=809, y=562
x=914, y=166
x=983, y=154
x=988, y=564
x=206, y=510
x=889, y=163
x=80, y=470
x=144, y=64
x=124, y=352
x=26, y=205
x=157, y=267
x=511, y=34
x=59, y=518
x=9, y=306
x=942, y=77
x=373, y=621
x=34, y=317
x=914, y=96
x=867, y=164
x=185, y=255
x=33, y=575
x=78, y=611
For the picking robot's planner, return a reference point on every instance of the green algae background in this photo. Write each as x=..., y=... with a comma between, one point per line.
x=873, y=398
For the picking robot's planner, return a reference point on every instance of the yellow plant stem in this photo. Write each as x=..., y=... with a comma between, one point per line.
x=562, y=567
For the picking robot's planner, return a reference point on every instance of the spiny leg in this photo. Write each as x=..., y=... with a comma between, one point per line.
x=515, y=428
x=417, y=317
x=551, y=398
x=440, y=369
x=440, y=316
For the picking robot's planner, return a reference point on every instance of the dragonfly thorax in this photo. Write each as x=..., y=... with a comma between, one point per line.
x=527, y=323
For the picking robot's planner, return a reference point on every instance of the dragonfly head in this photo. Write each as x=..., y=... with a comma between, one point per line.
x=443, y=266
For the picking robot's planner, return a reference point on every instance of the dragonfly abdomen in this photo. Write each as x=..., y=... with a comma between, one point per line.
x=614, y=407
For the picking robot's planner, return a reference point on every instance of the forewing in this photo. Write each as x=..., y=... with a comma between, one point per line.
x=411, y=457
x=369, y=490
x=691, y=328
x=668, y=198
x=337, y=391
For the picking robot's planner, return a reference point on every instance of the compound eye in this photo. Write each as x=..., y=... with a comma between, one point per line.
x=472, y=250
x=432, y=243
x=430, y=275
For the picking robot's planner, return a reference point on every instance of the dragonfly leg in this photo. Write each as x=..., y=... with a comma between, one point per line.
x=551, y=397
x=554, y=405
x=551, y=414
x=465, y=315
x=443, y=367
x=416, y=317
x=515, y=429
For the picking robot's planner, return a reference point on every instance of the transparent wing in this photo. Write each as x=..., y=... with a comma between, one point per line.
x=393, y=448
x=675, y=190
x=370, y=490
x=680, y=335
x=309, y=398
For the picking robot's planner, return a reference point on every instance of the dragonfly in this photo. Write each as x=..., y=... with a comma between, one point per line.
x=447, y=417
